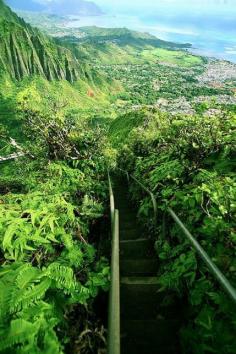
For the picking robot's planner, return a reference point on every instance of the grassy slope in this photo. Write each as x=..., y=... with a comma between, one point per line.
x=122, y=126
x=41, y=95
x=111, y=53
x=177, y=57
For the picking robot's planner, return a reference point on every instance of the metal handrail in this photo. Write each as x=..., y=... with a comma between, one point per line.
x=11, y=156
x=154, y=202
x=114, y=295
x=210, y=264
x=112, y=202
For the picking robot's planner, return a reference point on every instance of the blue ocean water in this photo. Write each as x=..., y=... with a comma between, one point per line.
x=209, y=25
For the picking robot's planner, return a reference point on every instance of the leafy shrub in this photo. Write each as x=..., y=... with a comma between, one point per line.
x=49, y=265
x=187, y=161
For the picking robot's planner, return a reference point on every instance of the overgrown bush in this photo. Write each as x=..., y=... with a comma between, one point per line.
x=188, y=161
x=50, y=272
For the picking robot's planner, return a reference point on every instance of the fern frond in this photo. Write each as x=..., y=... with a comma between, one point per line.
x=63, y=277
x=51, y=343
x=20, y=332
x=28, y=297
x=26, y=275
x=10, y=233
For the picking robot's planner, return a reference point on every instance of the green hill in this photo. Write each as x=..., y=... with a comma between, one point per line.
x=124, y=46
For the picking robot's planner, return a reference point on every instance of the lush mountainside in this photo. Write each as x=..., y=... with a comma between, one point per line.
x=141, y=104
x=120, y=46
x=24, y=51
x=63, y=7
x=121, y=37
x=124, y=36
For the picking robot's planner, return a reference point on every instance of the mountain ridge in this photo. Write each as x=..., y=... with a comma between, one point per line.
x=25, y=51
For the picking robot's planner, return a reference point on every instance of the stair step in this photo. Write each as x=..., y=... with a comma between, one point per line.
x=132, y=229
x=128, y=224
x=139, y=267
x=131, y=234
x=126, y=212
x=149, y=337
x=136, y=248
x=146, y=326
x=139, y=281
x=140, y=297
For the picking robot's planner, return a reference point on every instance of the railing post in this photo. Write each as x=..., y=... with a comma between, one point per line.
x=127, y=175
x=154, y=203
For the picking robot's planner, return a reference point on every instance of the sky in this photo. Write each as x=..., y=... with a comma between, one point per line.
x=176, y=5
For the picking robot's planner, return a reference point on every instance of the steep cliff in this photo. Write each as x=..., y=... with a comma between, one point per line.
x=25, y=51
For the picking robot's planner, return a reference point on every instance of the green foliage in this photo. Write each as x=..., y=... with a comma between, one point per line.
x=188, y=163
x=32, y=303
x=49, y=268
x=48, y=259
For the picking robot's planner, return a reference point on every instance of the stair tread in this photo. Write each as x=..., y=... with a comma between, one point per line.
x=138, y=266
x=136, y=248
x=149, y=336
x=131, y=234
x=139, y=280
x=141, y=239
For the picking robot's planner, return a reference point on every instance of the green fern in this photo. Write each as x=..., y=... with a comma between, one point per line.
x=62, y=276
x=44, y=248
x=19, y=332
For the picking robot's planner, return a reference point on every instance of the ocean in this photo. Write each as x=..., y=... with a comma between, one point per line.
x=211, y=31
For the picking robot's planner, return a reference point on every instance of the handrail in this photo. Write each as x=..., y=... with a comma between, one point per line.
x=12, y=156
x=114, y=295
x=210, y=264
x=154, y=202
x=112, y=202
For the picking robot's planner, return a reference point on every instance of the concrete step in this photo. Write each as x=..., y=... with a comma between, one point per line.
x=140, y=298
x=136, y=248
x=146, y=326
x=149, y=337
x=139, y=267
x=130, y=234
x=127, y=212
x=128, y=224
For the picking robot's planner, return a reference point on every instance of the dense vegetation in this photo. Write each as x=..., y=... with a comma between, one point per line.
x=50, y=270
x=49, y=267
x=74, y=106
x=52, y=200
x=188, y=161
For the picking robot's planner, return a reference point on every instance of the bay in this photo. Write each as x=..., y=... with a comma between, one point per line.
x=210, y=29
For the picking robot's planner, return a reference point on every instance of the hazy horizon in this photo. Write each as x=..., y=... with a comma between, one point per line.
x=210, y=25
